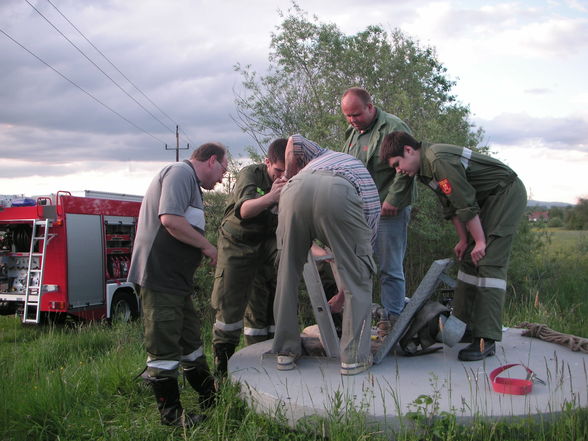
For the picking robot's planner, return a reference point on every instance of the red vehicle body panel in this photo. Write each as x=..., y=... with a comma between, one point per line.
x=114, y=221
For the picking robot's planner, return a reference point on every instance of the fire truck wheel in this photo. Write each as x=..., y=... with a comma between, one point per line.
x=7, y=308
x=124, y=307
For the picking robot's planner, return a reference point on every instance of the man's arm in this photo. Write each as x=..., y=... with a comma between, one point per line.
x=252, y=207
x=399, y=195
x=180, y=229
x=474, y=226
x=462, y=234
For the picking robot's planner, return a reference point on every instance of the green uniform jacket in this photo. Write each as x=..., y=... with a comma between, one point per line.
x=397, y=190
x=462, y=178
x=252, y=182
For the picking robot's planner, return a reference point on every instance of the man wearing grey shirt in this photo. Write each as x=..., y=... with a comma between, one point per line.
x=168, y=248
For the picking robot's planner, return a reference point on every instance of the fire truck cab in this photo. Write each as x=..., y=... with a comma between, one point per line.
x=68, y=255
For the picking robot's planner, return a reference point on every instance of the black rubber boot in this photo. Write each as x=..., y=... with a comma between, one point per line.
x=222, y=353
x=202, y=381
x=477, y=351
x=167, y=395
x=467, y=335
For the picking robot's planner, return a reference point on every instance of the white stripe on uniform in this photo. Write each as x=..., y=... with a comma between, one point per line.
x=482, y=282
x=228, y=326
x=465, y=157
x=193, y=355
x=254, y=331
x=166, y=365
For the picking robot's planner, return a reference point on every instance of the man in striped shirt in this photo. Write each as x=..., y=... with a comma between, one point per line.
x=332, y=198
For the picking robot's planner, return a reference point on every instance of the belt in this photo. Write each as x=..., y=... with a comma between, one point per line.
x=513, y=386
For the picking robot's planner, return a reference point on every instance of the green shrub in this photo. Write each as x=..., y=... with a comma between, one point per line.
x=555, y=222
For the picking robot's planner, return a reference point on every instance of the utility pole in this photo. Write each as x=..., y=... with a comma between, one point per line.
x=178, y=148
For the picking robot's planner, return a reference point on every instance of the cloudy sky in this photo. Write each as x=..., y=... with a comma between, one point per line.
x=521, y=66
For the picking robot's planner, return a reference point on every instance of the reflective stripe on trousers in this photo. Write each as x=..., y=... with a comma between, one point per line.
x=237, y=326
x=169, y=365
x=255, y=331
x=481, y=282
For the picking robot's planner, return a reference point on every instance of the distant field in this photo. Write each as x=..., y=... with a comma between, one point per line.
x=567, y=240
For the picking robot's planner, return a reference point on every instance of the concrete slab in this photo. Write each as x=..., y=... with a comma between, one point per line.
x=388, y=391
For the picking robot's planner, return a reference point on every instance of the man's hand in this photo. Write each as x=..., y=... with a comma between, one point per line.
x=337, y=302
x=252, y=207
x=276, y=189
x=211, y=253
x=460, y=249
x=318, y=252
x=180, y=229
x=389, y=210
x=478, y=252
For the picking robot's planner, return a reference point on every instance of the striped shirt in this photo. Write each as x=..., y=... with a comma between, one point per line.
x=347, y=167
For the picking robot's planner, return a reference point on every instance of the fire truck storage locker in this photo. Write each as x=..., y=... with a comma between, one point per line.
x=85, y=260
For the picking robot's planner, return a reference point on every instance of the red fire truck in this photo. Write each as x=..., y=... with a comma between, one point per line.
x=67, y=255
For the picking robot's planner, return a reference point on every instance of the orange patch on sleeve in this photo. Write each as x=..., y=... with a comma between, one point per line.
x=445, y=186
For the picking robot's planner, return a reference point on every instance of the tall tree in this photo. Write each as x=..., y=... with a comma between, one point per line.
x=577, y=216
x=313, y=63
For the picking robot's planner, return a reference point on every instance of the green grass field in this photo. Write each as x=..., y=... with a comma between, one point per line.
x=567, y=241
x=77, y=382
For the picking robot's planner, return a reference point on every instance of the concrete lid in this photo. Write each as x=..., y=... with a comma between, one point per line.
x=388, y=391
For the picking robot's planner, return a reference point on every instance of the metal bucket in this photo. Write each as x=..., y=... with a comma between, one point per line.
x=451, y=330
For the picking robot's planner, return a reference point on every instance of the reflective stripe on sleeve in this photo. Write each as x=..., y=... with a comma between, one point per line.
x=481, y=282
x=465, y=157
x=254, y=331
x=228, y=326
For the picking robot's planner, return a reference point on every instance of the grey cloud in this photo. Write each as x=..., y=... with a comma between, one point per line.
x=50, y=146
x=196, y=92
x=569, y=133
x=189, y=82
x=566, y=40
x=186, y=71
x=35, y=169
x=463, y=21
x=555, y=38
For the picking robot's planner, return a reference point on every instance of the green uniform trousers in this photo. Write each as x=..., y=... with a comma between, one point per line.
x=320, y=205
x=243, y=292
x=480, y=292
x=171, y=333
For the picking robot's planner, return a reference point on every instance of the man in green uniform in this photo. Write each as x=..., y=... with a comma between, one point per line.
x=367, y=127
x=245, y=271
x=482, y=197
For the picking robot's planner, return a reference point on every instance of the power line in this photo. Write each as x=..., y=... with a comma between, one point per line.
x=81, y=88
x=98, y=67
x=116, y=68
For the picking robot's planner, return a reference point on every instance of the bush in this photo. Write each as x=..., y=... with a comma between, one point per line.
x=555, y=222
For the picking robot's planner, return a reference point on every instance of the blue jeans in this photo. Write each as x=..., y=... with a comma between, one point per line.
x=390, y=250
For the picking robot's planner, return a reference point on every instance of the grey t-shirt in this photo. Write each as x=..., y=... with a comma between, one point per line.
x=161, y=262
